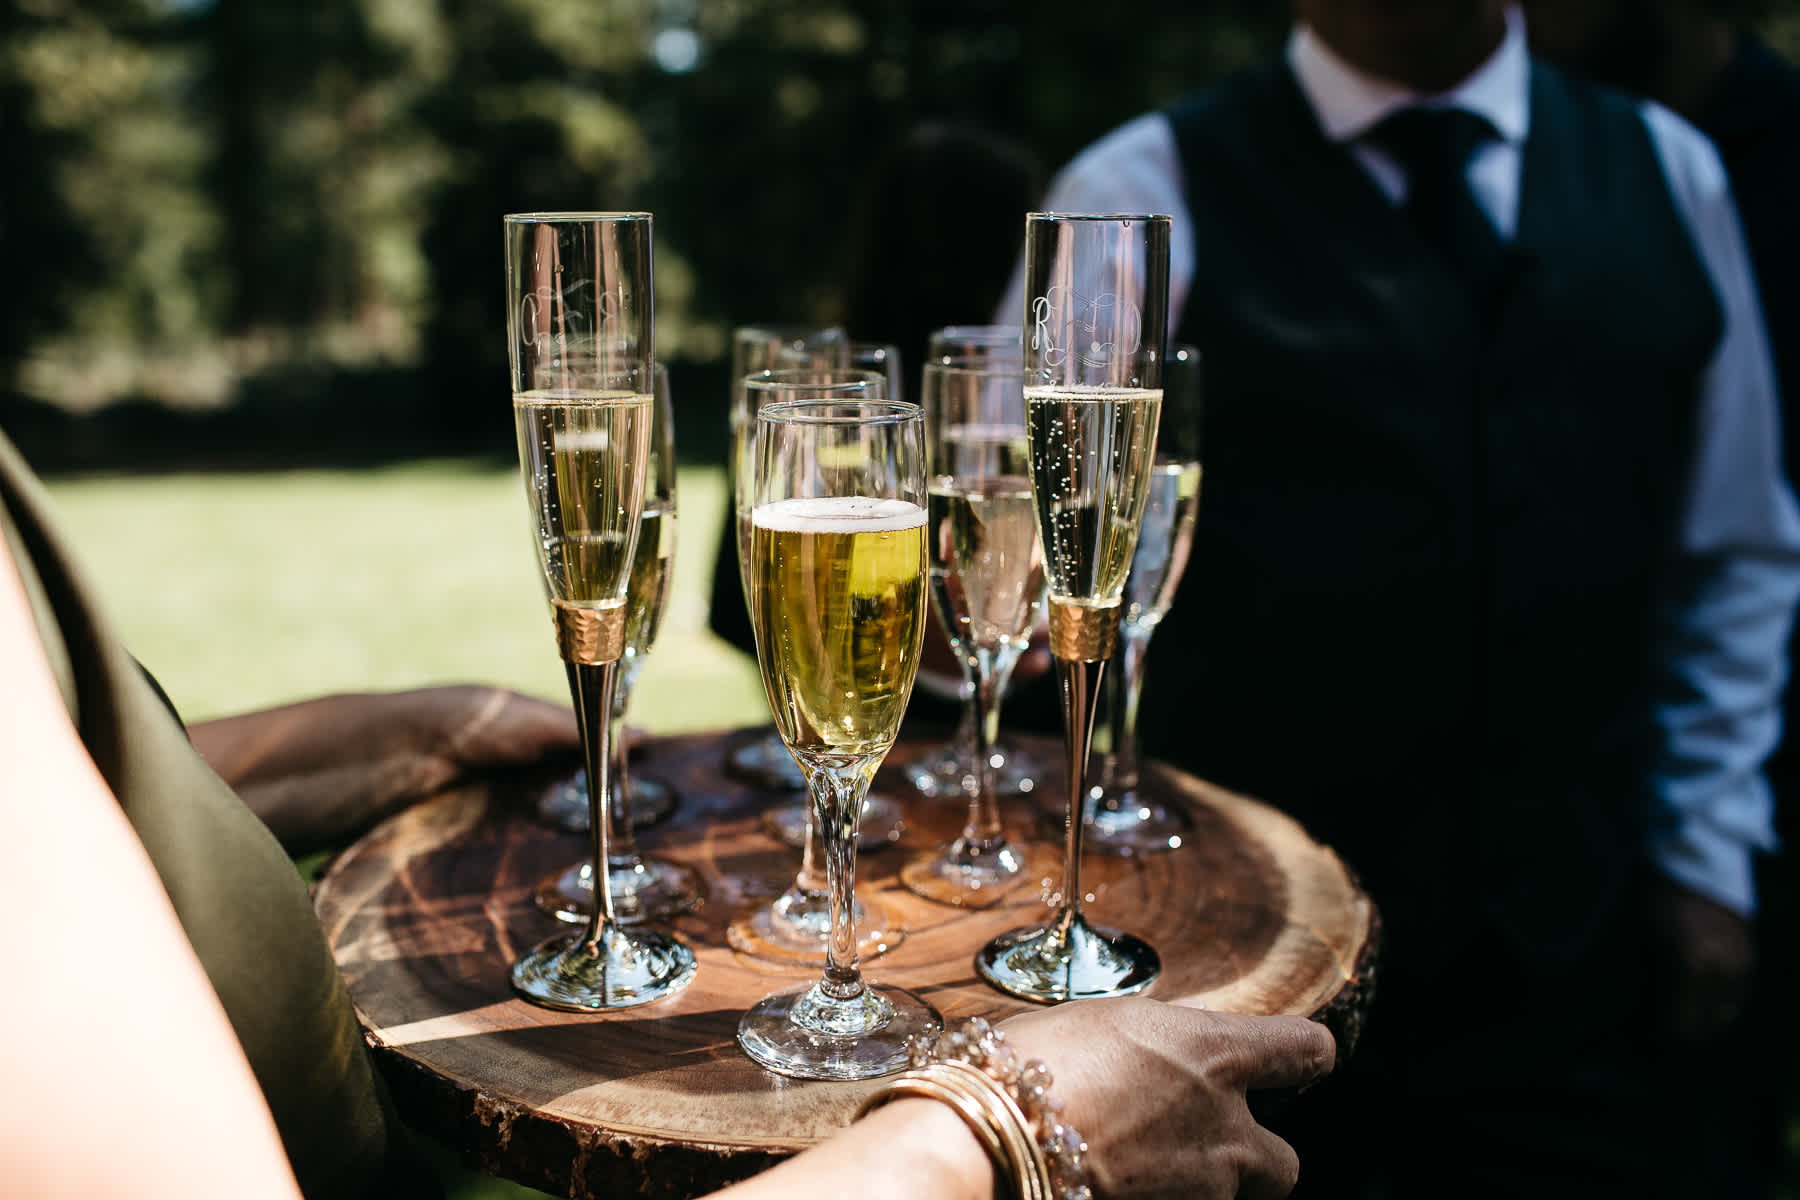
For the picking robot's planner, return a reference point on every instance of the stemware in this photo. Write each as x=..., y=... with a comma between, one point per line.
x=987, y=587
x=882, y=820
x=643, y=887
x=564, y=801
x=1122, y=819
x=837, y=567
x=1096, y=318
x=948, y=770
x=581, y=345
x=763, y=761
x=795, y=926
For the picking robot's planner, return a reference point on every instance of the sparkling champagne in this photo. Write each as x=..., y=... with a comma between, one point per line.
x=738, y=469
x=1091, y=452
x=1164, y=538
x=838, y=608
x=578, y=454
x=652, y=569
x=987, y=569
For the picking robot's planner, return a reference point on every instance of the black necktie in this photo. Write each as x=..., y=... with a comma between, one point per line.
x=1433, y=146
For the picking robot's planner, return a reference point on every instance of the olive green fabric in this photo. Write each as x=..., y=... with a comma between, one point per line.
x=242, y=904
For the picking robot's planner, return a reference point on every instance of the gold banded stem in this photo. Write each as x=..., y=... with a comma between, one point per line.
x=590, y=636
x=1082, y=633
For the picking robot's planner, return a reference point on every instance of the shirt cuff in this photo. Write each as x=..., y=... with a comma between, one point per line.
x=1696, y=854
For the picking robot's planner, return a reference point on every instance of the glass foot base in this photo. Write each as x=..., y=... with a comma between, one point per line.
x=948, y=773
x=619, y=970
x=967, y=877
x=643, y=889
x=764, y=762
x=794, y=928
x=564, y=803
x=1130, y=823
x=1051, y=963
x=882, y=822
x=808, y=1035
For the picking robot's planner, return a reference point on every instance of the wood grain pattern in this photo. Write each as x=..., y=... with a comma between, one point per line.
x=427, y=913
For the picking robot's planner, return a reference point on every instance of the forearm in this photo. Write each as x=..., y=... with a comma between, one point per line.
x=1718, y=716
x=320, y=771
x=901, y=1151
x=317, y=771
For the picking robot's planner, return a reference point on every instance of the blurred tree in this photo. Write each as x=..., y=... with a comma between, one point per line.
x=209, y=197
x=532, y=110
x=33, y=214
x=104, y=215
x=319, y=177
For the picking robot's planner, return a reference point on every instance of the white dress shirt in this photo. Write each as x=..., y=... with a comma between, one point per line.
x=1726, y=650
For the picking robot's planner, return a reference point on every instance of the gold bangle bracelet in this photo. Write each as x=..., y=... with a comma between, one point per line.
x=1006, y=1104
x=1031, y=1173
x=973, y=1113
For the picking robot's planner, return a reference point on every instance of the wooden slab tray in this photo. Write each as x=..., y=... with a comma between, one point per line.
x=428, y=911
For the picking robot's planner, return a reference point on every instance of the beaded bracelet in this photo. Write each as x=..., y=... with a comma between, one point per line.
x=1005, y=1103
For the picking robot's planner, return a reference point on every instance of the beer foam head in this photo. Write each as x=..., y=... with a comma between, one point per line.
x=839, y=514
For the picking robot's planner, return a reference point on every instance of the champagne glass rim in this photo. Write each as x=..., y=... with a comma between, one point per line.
x=976, y=364
x=536, y=218
x=826, y=411
x=983, y=333
x=823, y=383
x=1096, y=218
x=787, y=330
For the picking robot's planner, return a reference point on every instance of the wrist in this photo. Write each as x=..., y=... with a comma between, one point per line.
x=947, y=1159
x=1005, y=1103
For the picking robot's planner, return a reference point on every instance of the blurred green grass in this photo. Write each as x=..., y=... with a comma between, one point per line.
x=243, y=590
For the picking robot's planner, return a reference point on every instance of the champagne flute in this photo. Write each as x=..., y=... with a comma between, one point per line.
x=837, y=567
x=1096, y=317
x=987, y=585
x=882, y=821
x=580, y=341
x=763, y=760
x=948, y=770
x=1121, y=819
x=643, y=888
x=795, y=927
x=564, y=803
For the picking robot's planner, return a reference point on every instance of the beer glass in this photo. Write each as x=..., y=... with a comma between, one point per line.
x=581, y=345
x=1096, y=319
x=838, y=603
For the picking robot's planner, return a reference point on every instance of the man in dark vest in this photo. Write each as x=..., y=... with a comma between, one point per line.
x=1703, y=59
x=1493, y=573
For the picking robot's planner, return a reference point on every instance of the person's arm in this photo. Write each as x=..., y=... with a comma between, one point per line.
x=320, y=772
x=903, y=1151
x=119, y=1058
x=1158, y=1091
x=1726, y=632
x=1161, y=1092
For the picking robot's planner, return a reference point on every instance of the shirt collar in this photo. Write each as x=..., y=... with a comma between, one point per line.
x=1349, y=101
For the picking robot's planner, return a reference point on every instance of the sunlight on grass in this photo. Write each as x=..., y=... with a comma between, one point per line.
x=240, y=591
